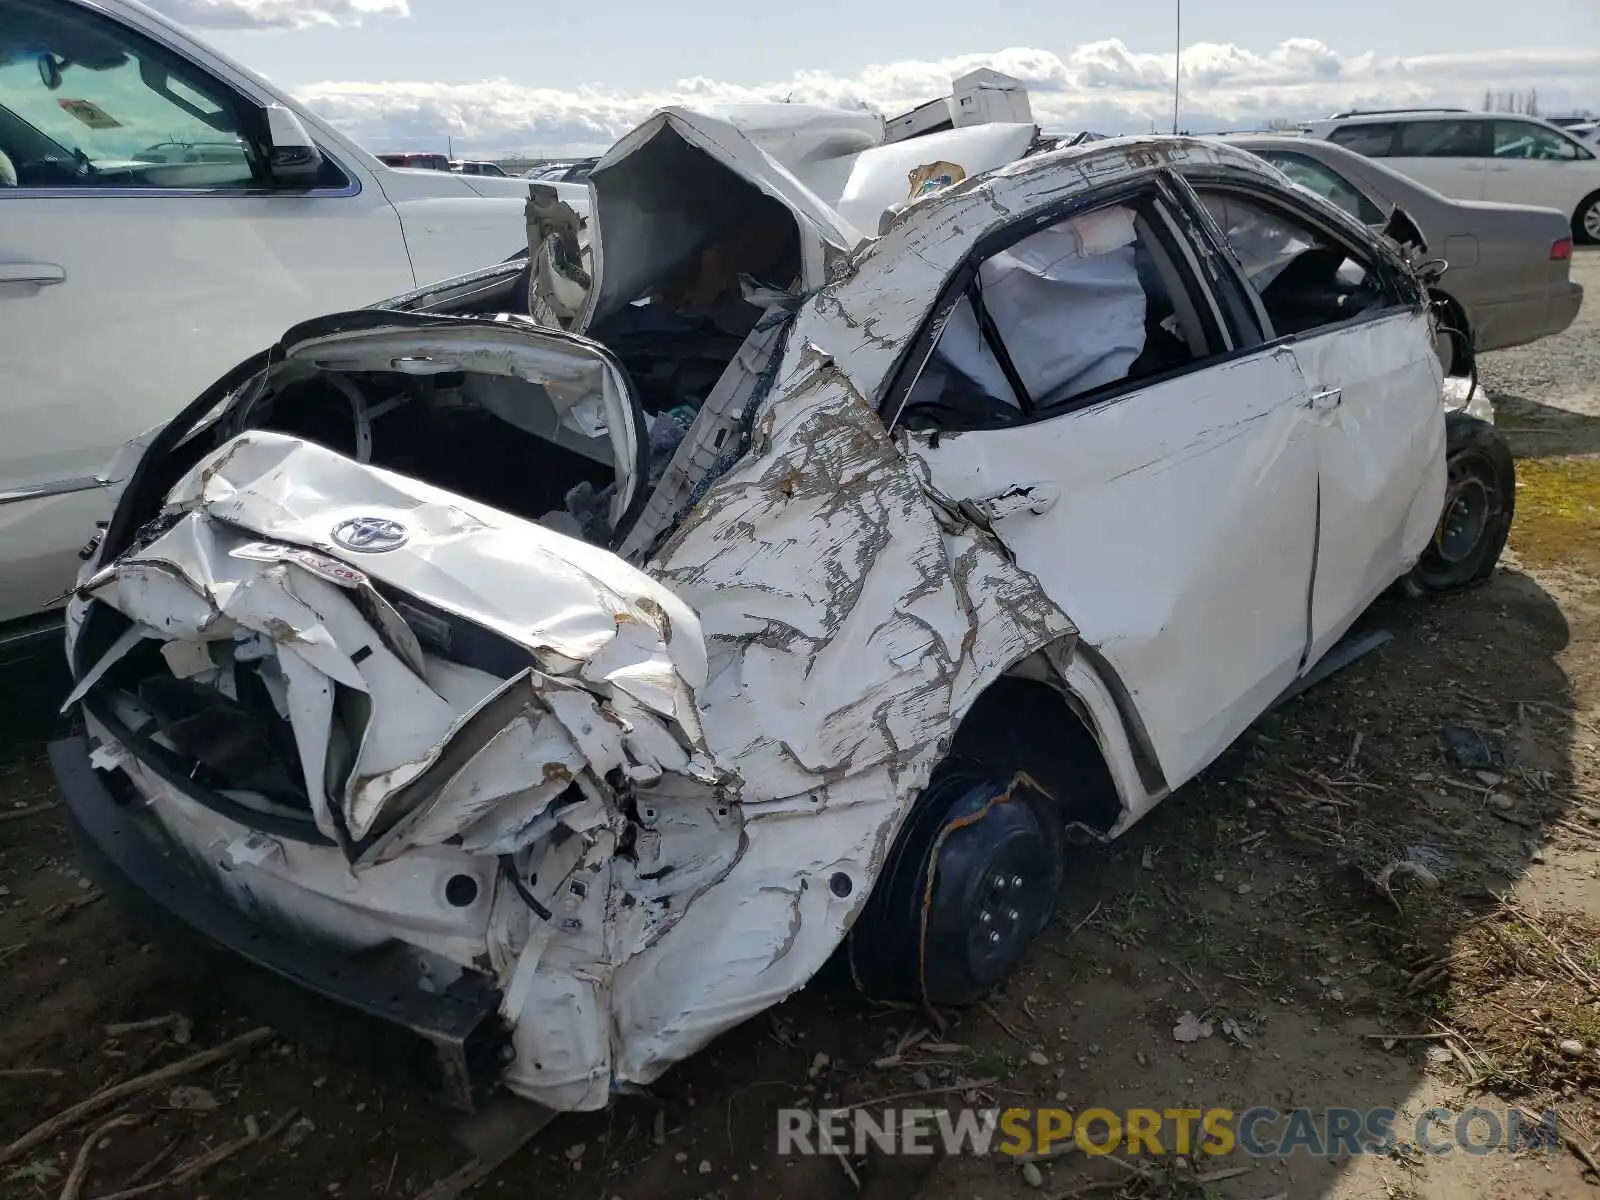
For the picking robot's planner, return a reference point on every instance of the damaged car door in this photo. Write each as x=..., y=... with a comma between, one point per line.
x=1361, y=333
x=1082, y=394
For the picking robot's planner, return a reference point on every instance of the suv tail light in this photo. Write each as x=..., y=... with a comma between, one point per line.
x=1561, y=251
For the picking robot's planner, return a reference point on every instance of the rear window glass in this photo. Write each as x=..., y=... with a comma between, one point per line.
x=1372, y=140
x=1322, y=179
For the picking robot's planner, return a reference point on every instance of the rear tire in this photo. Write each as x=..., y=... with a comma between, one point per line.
x=972, y=879
x=1480, y=500
x=1586, y=221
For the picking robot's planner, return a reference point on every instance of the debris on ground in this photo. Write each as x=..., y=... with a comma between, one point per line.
x=1191, y=1028
x=1523, y=999
x=193, y=1099
x=1471, y=749
x=1406, y=868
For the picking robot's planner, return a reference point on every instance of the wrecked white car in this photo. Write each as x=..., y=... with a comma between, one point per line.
x=561, y=697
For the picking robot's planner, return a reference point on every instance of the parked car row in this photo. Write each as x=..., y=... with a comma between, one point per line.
x=563, y=171
x=429, y=161
x=1509, y=280
x=1481, y=156
x=419, y=160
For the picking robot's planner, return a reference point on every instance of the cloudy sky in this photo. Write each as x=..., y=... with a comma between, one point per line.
x=540, y=76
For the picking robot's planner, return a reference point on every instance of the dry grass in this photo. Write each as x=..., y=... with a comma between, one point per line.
x=1520, y=985
x=1558, y=512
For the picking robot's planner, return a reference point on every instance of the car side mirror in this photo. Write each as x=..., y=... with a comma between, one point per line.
x=292, y=157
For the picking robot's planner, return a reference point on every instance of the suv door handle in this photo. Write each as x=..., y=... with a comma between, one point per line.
x=32, y=276
x=1326, y=400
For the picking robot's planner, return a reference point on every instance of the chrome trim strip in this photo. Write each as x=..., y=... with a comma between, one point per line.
x=56, y=487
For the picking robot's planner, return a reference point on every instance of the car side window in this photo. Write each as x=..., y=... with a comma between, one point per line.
x=1073, y=310
x=1443, y=139
x=1304, y=278
x=1375, y=140
x=87, y=103
x=1523, y=139
x=1324, y=181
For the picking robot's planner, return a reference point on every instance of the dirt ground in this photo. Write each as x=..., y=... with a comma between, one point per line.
x=1261, y=904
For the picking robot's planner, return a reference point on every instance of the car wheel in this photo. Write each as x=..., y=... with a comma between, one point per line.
x=1479, y=501
x=1586, y=221
x=971, y=880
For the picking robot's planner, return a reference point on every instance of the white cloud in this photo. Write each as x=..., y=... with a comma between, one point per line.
x=1100, y=85
x=277, y=14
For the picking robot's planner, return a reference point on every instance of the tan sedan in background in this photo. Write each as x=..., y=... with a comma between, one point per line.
x=1510, y=275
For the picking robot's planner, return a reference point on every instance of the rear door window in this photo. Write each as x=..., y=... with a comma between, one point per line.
x=1375, y=140
x=1524, y=139
x=1085, y=308
x=1304, y=278
x=1443, y=139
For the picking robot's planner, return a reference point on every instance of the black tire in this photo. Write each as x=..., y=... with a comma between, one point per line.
x=1480, y=500
x=972, y=879
x=1586, y=220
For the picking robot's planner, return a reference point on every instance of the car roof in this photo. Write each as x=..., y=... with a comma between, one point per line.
x=1419, y=114
x=1429, y=114
x=1289, y=140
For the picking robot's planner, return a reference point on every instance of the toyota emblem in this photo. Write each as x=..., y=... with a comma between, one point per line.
x=369, y=535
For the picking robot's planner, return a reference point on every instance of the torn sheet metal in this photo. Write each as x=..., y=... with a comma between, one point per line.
x=610, y=659
x=863, y=662
x=662, y=191
x=1462, y=393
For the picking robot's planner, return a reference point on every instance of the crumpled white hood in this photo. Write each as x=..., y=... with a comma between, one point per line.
x=251, y=571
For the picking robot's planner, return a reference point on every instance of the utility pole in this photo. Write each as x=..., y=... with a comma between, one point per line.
x=1177, y=60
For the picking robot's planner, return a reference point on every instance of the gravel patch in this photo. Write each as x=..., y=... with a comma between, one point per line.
x=1561, y=372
